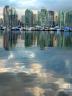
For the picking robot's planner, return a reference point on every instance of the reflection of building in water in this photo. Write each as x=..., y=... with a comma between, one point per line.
x=55, y=41
x=34, y=38
x=5, y=41
x=12, y=38
x=68, y=39
x=28, y=39
x=9, y=39
x=46, y=39
x=51, y=39
x=43, y=40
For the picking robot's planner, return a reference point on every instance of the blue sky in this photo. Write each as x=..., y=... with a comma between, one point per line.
x=50, y=4
x=37, y=4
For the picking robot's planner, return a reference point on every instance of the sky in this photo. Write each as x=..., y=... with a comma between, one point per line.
x=21, y=5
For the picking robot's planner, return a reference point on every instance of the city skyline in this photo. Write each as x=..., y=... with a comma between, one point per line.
x=44, y=17
x=35, y=5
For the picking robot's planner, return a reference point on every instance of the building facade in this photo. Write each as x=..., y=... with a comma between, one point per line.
x=62, y=17
x=28, y=18
x=6, y=15
x=23, y=20
x=46, y=18
x=50, y=18
x=10, y=17
x=1, y=22
x=68, y=20
x=43, y=17
x=13, y=17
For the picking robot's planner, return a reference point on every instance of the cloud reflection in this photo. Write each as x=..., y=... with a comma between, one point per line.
x=11, y=56
x=18, y=67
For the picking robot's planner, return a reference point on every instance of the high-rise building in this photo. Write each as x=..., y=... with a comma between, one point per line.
x=62, y=16
x=10, y=16
x=56, y=19
x=46, y=18
x=68, y=20
x=39, y=16
x=6, y=15
x=13, y=18
x=1, y=22
x=28, y=18
x=50, y=18
x=23, y=19
x=43, y=17
x=35, y=19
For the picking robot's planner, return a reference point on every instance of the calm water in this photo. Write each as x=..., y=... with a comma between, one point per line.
x=37, y=64
x=39, y=39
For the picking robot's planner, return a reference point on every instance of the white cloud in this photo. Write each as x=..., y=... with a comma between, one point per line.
x=23, y=3
x=38, y=4
x=12, y=0
x=49, y=4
